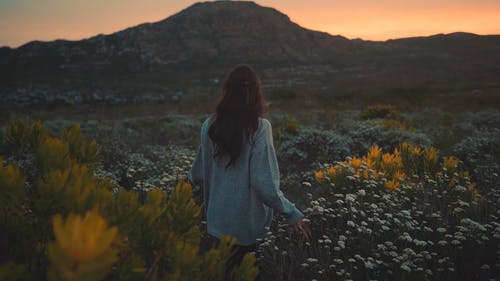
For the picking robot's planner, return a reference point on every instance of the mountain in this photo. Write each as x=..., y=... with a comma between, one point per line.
x=190, y=52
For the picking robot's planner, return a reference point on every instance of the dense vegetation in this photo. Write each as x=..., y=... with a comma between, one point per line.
x=390, y=194
x=60, y=221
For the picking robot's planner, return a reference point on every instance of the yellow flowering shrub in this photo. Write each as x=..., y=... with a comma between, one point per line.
x=379, y=111
x=22, y=135
x=183, y=212
x=12, y=187
x=246, y=271
x=212, y=258
x=290, y=127
x=82, y=150
x=356, y=162
x=74, y=188
x=430, y=159
x=405, y=165
x=393, y=124
x=319, y=176
x=392, y=184
x=52, y=154
x=450, y=164
x=374, y=153
x=12, y=271
x=65, y=223
x=84, y=249
x=15, y=230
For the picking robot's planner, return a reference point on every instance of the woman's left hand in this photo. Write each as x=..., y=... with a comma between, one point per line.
x=301, y=228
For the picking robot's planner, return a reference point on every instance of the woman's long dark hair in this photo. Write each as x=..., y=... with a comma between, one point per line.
x=237, y=113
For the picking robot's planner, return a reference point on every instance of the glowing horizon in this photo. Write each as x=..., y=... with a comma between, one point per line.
x=22, y=21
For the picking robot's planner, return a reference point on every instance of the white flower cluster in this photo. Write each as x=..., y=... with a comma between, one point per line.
x=362, y=233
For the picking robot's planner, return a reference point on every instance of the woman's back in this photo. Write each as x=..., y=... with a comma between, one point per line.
x=239, y=199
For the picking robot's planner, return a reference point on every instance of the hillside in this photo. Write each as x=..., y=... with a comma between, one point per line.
x=188, y=54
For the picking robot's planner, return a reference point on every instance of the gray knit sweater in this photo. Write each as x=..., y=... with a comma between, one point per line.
x=239, y=201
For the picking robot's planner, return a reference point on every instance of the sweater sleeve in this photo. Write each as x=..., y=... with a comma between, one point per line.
x=195, y=175
x=265, y=178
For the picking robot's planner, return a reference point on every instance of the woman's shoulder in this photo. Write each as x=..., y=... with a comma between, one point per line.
x=208, y=121
x=264, y=122
x=263, y=129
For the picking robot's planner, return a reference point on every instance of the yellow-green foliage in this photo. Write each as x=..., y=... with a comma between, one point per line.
x=12, y=193
x=247, y=270
x=68, y=224
x=379, y=111
x=15, y=229
x=84, y=249
x=290, y=127
x=392, y=124
x=165, y=232
x=71, y=189
x=212, y=264
x=52, y=154
x=12, y=271
x=82, y=150
x=212, y=258
x=12, y=187
x=23, y=134
x=183, y=212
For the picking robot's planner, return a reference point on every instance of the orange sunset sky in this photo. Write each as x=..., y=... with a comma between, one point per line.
x=24, y=20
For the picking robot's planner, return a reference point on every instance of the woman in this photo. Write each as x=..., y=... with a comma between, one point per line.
x=237, y=168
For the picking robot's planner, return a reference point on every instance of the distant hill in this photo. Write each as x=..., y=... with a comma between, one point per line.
x=187, y=54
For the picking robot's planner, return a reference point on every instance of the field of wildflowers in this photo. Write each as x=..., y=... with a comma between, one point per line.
x=406, y=215
x=389, y=195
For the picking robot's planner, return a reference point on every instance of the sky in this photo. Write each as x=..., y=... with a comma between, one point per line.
x=22, y=21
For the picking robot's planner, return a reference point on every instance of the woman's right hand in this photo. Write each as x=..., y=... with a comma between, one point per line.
x=302, y=229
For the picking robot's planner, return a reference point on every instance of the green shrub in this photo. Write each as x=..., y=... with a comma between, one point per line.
x=392, y=124
x=379, y=111
x=290, y=127
x=23, y=135
x=83, y=151
x=65, y=223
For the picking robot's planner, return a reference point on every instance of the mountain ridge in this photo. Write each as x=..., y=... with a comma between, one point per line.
x=186, y=51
